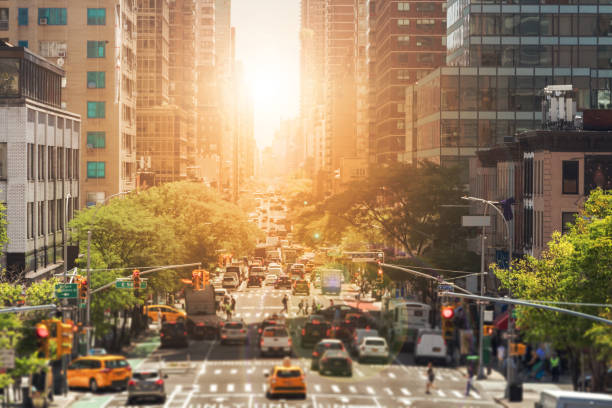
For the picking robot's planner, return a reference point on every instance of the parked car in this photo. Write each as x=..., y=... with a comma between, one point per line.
x=336, y=362
x=165, y=312
x=430, y=346
x=275, y=340
x=234, y=330
x=97, y=372
x=173, y=334
x=321, y=347
x=147, y=385
x=373, y=348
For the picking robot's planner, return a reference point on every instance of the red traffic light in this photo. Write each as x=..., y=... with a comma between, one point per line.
x=42, y=332
x=135, y=274
x=380, y=271
x=448, y=312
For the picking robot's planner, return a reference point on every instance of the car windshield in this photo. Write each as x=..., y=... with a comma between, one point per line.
x=234, y=326
x=370, y=342
x=229, y=278
x=330, y=346
x=288, y=373
x=116, y=363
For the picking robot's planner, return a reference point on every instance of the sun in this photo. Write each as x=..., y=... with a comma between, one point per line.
x=271, y=87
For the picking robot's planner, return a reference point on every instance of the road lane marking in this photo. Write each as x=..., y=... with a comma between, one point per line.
x=317, y=388
x=213, y=388
x=359, y=372
x=370, y=390
x=441, y=393
x=233, y=371
x=352, y=389
x=475, y=394
x=405, y=392
x=335, y=388
x=172, y=395
x=457, y=393
x=217, y=371
x=391, y=375
x=388, y=390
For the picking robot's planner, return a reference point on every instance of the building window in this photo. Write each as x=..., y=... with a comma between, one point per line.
x=425, y=7
x=52, y=16
x=403, y=74
x=403, y=6
x=31, y=161
x=96, y=140
x=3, y=161
x=96, y=109
x=95, y=198
x=22, y=17
x=570, y=177
x=52, y=48
x=96, y=16
x=96, y=169
x=568, y=219
x=403, y=40
x=96, y=49
x=9, y=75
x=96, y=79
x=22, y=43
x=400, y=124
x=30, y=220
x=4, y=19
x=41, y=161
x=403, y=22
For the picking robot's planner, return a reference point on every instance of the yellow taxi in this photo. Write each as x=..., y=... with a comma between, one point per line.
x=167, y=313
x=97, y=372
x=286, y=379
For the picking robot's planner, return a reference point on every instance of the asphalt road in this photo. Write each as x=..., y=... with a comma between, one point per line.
x=232, y=376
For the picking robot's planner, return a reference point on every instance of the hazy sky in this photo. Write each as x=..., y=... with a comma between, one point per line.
x=267, y=42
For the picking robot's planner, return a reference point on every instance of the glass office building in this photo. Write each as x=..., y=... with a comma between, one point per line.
x=501, y=54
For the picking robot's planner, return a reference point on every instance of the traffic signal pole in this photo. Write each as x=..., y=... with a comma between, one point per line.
x=88, y=301
x=481, y=374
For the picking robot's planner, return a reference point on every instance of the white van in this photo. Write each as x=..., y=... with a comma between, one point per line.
x=358, y=337
x=430, y=346
x=573, y=399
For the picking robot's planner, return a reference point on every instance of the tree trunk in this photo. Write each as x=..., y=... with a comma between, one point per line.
x=115, y=343
x=574, y=366
x=598, y=371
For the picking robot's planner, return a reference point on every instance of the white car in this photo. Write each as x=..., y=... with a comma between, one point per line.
x=275, y=340
x=430, y=346
x=275, y=270
x=373, y=348
x=220, y=294
x=270, y=280
x=358, y=336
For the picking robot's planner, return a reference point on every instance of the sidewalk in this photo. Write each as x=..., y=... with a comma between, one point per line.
x=495, y=386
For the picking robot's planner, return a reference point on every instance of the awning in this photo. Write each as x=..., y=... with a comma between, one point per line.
x=501, y=321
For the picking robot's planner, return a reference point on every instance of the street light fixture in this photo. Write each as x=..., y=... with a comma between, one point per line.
x=509, y=368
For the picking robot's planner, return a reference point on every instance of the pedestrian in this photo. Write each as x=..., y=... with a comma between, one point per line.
x=501, y=355
x=430, y=378
x=470, y=378
x=306, y=307
x=314, y=306
x=285, y=302
x=233, y=304
x=228, y=311
x=331, y=302
x=555, y=367
x=301, y=306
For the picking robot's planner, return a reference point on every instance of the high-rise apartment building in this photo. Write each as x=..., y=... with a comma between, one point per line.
x=40, y=146
x=410, y=41
x=95, y=43
x=223, y=37
x=161, y=139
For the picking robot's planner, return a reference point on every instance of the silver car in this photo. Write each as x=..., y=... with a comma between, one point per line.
x=146, y=385
x=234, y=331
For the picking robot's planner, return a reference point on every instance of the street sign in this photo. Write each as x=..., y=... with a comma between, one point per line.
x=7, y=358
x=129, y=284
x=445, y=288
x=66, y=290
x=475, y=221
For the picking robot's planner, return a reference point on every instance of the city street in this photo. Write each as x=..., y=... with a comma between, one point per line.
x=233, y=375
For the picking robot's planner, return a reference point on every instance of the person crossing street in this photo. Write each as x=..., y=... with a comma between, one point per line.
x=285, y=302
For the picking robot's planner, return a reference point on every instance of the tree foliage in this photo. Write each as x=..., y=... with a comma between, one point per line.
x=576, y=267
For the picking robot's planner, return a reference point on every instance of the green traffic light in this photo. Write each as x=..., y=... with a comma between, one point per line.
x=316, y=235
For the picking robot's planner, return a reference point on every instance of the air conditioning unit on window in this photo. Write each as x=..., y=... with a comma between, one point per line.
x=61, y=53
x=42, y=21
x=89, y=146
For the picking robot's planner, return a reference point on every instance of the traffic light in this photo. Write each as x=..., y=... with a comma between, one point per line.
x=64, y=339
x=136, y=278
x=518, y=349
x=448, y=312
x=448, y=326
x=380, y=274
x=195, y=279
x=487, y=330
x=205, y=278
x=83, y=290
x=42, y=336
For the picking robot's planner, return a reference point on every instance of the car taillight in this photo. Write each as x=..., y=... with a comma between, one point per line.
x=259, y=331
x=327, y=333
x=131, y=382
x=224, y=336
x=419, y=341
x=315, y=354
x=303, y=332
x=185, y=333
x=242, y=331
x=128, y=368
x=315, y=322
x=324, y=359
x=290, y=342
x=159, y=382
x=261, y=343
x=161, y=334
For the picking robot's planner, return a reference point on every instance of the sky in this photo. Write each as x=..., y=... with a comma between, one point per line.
x=267, y=43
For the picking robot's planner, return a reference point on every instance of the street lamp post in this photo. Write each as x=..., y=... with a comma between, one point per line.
x=88, y=303
x=509, y=367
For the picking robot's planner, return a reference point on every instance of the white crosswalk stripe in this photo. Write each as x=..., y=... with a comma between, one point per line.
x=317, y=388
x=213, y=388
x=230, y=387
x=370, y=390
x=457, y=393
x=248, y=387
x=405, y=392
x=233, y=371
x=474, y=394
x=335, y=388
x=441, y=393
x=388, y=390
x=352, y=389
x=217, y=371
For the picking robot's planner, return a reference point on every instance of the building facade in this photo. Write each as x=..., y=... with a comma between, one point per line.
x=40, y=146
x=95, y=44
x=410, y=40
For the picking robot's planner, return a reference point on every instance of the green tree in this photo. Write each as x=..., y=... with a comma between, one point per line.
x=576, y=267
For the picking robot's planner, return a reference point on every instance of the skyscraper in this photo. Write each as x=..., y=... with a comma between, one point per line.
x=96, y=46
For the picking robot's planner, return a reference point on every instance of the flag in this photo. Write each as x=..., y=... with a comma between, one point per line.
x=507, y=208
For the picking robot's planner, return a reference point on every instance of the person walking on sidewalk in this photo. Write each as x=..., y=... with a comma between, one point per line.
x=470, y=380
x=285, y=303
x=555, y=367
x=430, y=378
x=301, y=307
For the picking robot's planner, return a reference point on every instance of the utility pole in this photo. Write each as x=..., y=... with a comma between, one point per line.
x=481, y=374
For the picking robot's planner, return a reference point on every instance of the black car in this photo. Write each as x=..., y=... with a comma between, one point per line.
x=320, y=349
x=173, y=334
x=330, y=312
x=314, y=331
x=254, y=281
x=301, y=287
x=283, y=282
x=336, y=362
